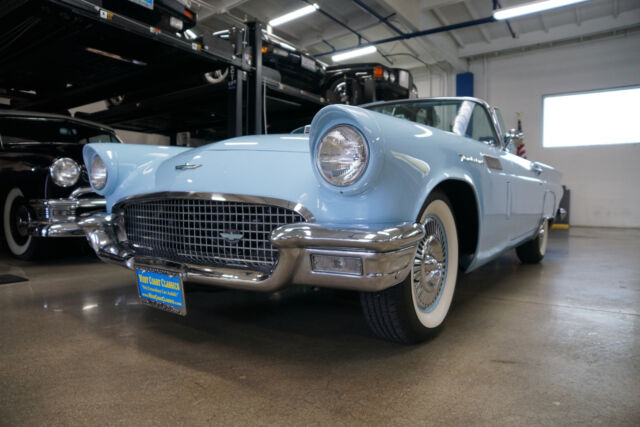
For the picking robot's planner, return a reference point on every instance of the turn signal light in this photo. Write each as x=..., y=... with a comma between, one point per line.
x=265, y=49
x=378, y=72
x=351, y=266
x=188, y=14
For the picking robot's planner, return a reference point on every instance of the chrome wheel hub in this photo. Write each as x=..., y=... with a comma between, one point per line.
x=430, y=264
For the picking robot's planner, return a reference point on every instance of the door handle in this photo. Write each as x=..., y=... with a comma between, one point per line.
x=536, y=168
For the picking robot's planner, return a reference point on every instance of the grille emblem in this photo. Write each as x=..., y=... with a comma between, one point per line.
x=232, y=237
x=186, y=166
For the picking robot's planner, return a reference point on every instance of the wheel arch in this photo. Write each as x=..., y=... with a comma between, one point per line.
x=466, y=211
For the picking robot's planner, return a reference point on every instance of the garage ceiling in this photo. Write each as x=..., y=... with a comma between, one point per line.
x=315, y=33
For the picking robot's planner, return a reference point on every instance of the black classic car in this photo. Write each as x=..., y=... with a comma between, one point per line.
x=44, y=188
x=367, y=82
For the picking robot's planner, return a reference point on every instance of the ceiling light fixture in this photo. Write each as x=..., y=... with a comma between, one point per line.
x=533, y=7
x=354, y=53
x=294, y=15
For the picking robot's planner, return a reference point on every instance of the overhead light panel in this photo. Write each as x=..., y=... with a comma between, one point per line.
x=533, y=7
x=354, y=53
x=294, y=15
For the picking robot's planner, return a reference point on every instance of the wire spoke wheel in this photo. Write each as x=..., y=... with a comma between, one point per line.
x=430, y=264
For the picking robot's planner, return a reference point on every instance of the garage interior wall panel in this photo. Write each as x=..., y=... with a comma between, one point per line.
x=603, y=179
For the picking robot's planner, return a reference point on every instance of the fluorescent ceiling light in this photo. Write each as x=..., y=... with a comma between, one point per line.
x=294, y=15
x=533, y=7
x=354, y=53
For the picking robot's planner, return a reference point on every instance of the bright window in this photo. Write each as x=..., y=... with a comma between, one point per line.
x=592, y=118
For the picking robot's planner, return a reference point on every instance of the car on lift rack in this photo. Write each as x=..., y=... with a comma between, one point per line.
x=356, y=84
x=44, y=187
x=167, y=15
x=389, y=200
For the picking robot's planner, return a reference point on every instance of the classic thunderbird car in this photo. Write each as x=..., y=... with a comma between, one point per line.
x=390, y=200
x=43, y=187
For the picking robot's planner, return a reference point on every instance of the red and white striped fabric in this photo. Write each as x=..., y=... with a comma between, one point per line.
x=522, y=152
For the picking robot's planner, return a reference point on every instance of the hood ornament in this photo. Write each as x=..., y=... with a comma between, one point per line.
x=187, y=166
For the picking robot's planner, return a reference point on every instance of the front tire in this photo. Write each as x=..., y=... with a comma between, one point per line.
x=533, y=251
x=15, y=221
x=415, y=309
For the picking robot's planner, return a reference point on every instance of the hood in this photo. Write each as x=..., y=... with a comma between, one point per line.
x=291, y=143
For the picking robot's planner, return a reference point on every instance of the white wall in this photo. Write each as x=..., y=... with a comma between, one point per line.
x=434, y=82
x=604, y=180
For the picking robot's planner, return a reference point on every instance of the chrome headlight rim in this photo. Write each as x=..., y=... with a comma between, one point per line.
x=71, y=168
x=98, y=182
x=332, y=181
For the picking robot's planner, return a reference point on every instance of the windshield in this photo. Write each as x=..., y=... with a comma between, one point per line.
x=462, y=117
x=29, y=130
x=448, y=115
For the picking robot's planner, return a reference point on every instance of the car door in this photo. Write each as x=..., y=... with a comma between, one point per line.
x=495, y=185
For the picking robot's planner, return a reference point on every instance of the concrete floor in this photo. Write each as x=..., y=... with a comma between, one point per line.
x=557, y=343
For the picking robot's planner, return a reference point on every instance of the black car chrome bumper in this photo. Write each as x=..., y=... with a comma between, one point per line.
x=59, y=217
x=309, y=254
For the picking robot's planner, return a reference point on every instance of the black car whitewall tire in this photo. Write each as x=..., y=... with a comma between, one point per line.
x=15, y=218
x=415, y=309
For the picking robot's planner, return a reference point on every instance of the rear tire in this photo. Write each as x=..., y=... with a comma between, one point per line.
x=533, y=251
x=15, y=220
x=415, y=309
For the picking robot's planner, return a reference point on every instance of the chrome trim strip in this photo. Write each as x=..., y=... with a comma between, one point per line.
x=221, y=197
x=80, y=191
x=316, y=236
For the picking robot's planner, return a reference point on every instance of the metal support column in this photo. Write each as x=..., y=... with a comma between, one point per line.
x=255, y=100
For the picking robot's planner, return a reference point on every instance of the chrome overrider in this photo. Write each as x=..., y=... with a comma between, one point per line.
x=59, y=217
x=386, y=256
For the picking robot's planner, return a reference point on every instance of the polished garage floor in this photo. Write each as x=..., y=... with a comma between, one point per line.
x=557, y=343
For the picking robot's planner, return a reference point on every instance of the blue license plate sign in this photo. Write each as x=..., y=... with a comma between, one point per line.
x=161, y=290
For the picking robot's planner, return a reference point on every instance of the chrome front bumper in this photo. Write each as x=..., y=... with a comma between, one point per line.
x=59, y=217
x=386, y=256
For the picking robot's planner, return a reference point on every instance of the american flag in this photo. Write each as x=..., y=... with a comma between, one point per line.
x=522, y=152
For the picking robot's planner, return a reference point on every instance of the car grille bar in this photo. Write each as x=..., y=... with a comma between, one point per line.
x=206, y=232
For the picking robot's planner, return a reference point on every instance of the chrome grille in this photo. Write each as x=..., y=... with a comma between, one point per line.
x=206, y=232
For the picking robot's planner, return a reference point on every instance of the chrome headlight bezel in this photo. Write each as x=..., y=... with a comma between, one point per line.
x=343, y=135
x=98, y=173
x=65, y=172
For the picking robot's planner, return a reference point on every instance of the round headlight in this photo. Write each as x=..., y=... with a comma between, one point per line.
x=64, y=171
x=385, y=74
x=98, y=173
x=342, y=155
x=392, y=77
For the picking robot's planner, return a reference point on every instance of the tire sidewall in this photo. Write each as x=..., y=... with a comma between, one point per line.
x=439, y=206
x=16, y=249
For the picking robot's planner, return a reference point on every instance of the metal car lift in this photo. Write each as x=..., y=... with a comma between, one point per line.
x=59, y=54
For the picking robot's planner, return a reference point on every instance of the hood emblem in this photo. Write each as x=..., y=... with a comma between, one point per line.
x=187, y=166
x=232, y=237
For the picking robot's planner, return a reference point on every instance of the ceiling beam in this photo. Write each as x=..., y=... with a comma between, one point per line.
x=415, y=16
x=475, y=15
x=445, y=21
x=626, y=20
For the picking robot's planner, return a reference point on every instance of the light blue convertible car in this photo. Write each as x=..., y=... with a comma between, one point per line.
x=391, y=199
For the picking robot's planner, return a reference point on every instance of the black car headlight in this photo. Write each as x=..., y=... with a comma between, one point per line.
x=342, y=155
x=98, y=173
x=64, y=171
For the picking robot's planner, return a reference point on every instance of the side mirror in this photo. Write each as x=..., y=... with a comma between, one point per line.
x=513, y=139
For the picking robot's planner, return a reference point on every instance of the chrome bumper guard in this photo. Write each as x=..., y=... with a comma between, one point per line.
x=59, y=217
x=386, y=256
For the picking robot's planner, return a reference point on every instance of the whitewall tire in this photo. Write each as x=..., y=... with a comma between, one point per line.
x=15, y=219
x=415, y=309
